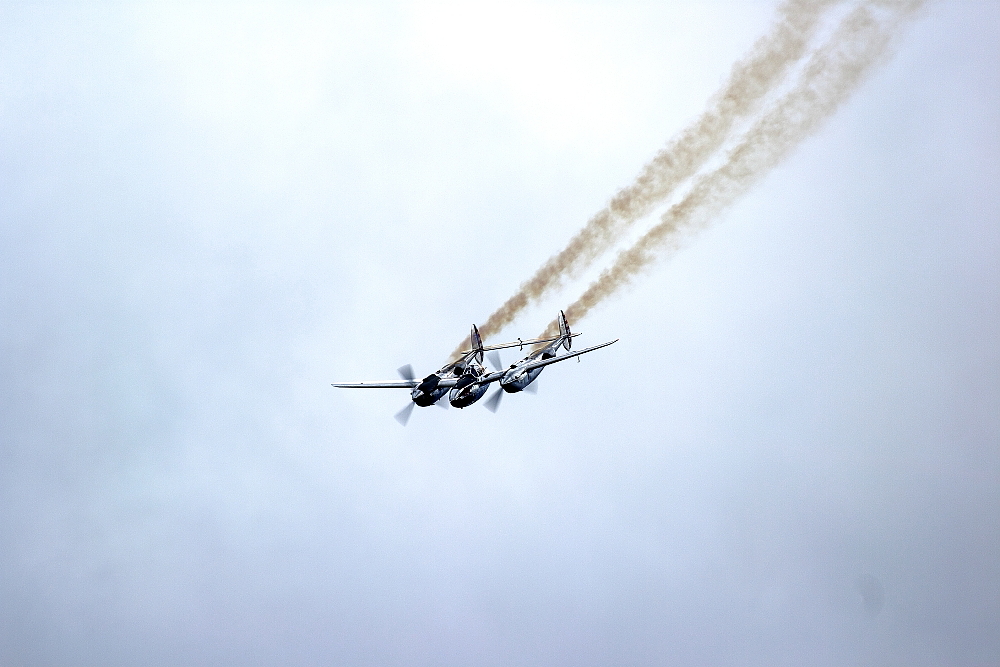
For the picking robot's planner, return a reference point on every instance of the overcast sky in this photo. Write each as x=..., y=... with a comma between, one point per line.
x=210, y=213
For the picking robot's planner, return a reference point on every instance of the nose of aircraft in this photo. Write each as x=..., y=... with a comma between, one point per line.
x=508, y=380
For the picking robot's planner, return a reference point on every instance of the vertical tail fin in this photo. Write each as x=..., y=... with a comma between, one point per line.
x=564, y=331
x=477, y=344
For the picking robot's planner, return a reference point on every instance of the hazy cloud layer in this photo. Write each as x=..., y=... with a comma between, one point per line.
x=208, y=214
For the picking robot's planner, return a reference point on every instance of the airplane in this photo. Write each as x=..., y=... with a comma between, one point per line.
x=459, y=378
x=465, y=380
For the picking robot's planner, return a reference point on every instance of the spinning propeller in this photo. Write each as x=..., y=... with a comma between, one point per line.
x=403, y=416
x=494, y=358
x=406, y=372
x=493, y=402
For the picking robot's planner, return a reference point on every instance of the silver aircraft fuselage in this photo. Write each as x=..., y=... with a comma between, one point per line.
x=517, y=378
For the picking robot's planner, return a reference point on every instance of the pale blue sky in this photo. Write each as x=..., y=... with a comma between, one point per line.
x=209, y=214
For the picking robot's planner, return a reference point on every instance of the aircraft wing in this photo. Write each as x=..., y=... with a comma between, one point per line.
x=379, y=385
x=409, y=384
x=545, y=362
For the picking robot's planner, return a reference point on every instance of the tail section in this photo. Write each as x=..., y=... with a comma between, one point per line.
x=477, y=344
x=564, y=331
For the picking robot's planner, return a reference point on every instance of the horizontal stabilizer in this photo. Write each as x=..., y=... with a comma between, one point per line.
x=518, y=343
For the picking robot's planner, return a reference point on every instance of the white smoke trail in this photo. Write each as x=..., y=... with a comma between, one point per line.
x=751, y=79
x=832, y=73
